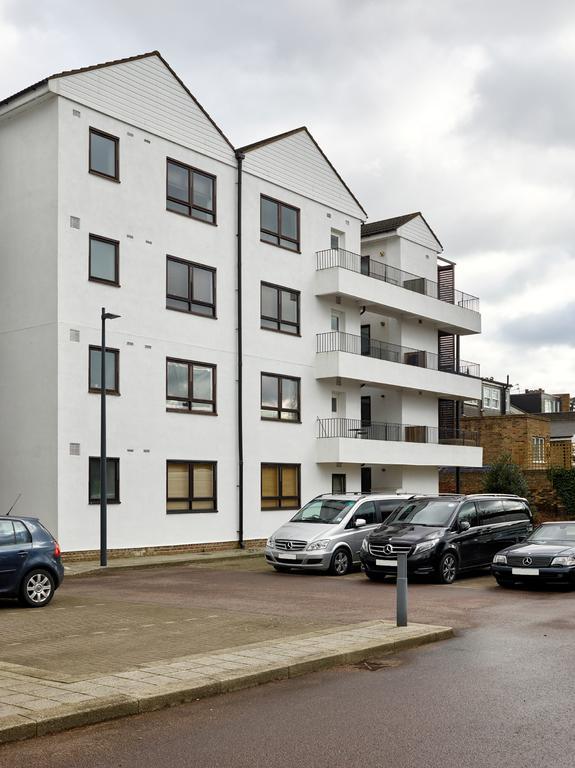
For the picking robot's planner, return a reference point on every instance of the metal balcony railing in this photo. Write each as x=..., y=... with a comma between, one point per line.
x=337, y=341
x=337, y=257
x=405, y=433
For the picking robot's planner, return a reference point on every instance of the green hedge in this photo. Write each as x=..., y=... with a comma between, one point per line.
x=564, y=484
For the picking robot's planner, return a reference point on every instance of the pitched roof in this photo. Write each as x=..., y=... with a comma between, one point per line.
x=386, y=225
x=104, y=64
x=285, y=135
x=391, y=225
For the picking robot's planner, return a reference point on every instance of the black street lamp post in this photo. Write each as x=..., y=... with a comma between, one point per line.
x=103, y=459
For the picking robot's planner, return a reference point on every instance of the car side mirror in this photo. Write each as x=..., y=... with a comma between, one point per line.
x=360, y=522
x=464, y=525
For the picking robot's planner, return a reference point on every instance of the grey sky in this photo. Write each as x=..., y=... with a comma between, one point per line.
x=463, y=110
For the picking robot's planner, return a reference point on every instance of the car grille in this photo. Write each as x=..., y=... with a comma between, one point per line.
x=379, y=549
x=539, y=561
x=290, y=545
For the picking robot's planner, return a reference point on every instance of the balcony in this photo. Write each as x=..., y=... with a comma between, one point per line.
x=398, y=293
x=383, y=363
x=353, y=441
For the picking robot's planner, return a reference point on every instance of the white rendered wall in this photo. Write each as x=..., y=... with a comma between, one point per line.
x=28, y=280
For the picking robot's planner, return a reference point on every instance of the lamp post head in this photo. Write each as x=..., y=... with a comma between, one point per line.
x=109, y=315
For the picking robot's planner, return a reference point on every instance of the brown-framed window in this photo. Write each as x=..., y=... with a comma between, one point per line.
x=104, y=260
x=280, y=397
x=190, y=192
x=191, y=487
x=279, y=309
x=279, y=223
x=104, y=155
x=190, y=287
x=280, y=486
x=190, y=386
x=112, y=480
x=112, y=370
x=338, y=483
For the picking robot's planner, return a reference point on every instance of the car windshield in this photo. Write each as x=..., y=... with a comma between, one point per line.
x=561, y=533
x=432, y=512
x=324, y=511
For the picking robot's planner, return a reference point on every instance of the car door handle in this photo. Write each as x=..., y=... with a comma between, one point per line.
x=23, y=554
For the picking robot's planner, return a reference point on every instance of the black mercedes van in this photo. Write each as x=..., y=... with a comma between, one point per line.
x=446, y=534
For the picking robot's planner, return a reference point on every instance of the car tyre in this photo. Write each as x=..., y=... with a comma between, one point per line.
x=282, y=568
x=447, y=569
x=340, y=562
x=37, y=588
x=375, y=576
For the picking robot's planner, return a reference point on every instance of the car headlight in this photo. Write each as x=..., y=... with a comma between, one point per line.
x=566, y=560
x=365, y=545
x=271, y=542
x=425, y=546
x=323, y=544
x=502, y=559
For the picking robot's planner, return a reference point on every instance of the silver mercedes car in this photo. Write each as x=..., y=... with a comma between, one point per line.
x=327, y=533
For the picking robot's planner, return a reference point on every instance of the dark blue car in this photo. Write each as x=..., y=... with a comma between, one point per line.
x=30, y=561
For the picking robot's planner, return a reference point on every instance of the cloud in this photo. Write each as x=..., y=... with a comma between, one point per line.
x=543, y=329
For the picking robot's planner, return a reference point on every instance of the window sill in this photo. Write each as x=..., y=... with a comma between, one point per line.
x=104, y=176
x=97, y=501
x=193, y=218
x=283, y=333
x=195, y=314
x=191, y=512
x=111, y=283
x=190, y=413
x=283, y=247
x=99, y=392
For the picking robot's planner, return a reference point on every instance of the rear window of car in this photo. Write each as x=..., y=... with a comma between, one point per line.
x=516, y=510
x=432, y=512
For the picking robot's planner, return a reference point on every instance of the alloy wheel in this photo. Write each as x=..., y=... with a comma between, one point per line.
x=448, y=569
x=38, y=588
x=340, y=563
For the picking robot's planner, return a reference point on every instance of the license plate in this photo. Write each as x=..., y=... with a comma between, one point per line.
x=287, y=557
x=390, y=563
x=525, y=571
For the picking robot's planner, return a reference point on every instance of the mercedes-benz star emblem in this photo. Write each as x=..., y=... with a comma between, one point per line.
x=388, y=549
x=527, y=560
x=288, y=544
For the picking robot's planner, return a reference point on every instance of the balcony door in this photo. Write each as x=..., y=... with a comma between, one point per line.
x=337, y=321
x=366, y=340
x=366, y=410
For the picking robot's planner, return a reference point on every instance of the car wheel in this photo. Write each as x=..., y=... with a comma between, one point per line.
x=375, y=576
x=282, y=568
x=340, y=562
x=37, y=588
x=447, y=571
x=505, y=583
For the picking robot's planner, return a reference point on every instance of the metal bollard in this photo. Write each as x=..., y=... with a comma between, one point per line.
x=401, y=589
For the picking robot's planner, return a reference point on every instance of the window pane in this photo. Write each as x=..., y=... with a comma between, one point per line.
x=96, y=370
x=177, y=304
x=102, y=155
x=203, y=215
x=269, y=301
x=289, y=393
x=202, y=504
x=178, y=380
x=203, y=191
x=6, y=533
x=22, y=533
x=178, y=505
x=289, y=306
x=178, y=185
x=289, y=222
x=111, y=479
x=203, y=481
x=202, y=382
x=270, y=391
x=200, y=309
x=289, y=481
x=288, y=244
x=289, y=416
x=102, y=260
x=177, y=279
x=269, y=324
x=288, y=328
x=202, y=285
x=269, y=215
x=269, y=238
x=270, y=485
x=178, y=481
x=178, y=207
x=334, y=240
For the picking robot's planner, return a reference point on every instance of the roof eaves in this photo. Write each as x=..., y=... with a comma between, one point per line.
x=284, y=135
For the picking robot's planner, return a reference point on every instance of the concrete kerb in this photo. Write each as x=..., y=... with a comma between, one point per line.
x=76, y=569
x=68, y=716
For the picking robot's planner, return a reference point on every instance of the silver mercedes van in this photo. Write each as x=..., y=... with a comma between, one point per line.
x=327, y=533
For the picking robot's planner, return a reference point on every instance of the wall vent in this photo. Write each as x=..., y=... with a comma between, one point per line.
x=76, y=112
x=149, y=242
x=74, y=222
x=130, y=343
x=147, y=346
x=146, y=450
x=130, y=450
x=129, y=133
x=74, y=334
x=74, y=449
x=147, y=141
x=338, y=299
x=131, y=237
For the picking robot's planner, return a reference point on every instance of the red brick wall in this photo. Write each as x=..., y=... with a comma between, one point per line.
x=217, y=546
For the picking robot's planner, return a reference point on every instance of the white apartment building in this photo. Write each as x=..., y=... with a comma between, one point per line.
x=268, y=348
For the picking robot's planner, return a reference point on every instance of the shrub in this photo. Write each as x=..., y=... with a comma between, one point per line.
x=503, y=476
x=564, y=484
